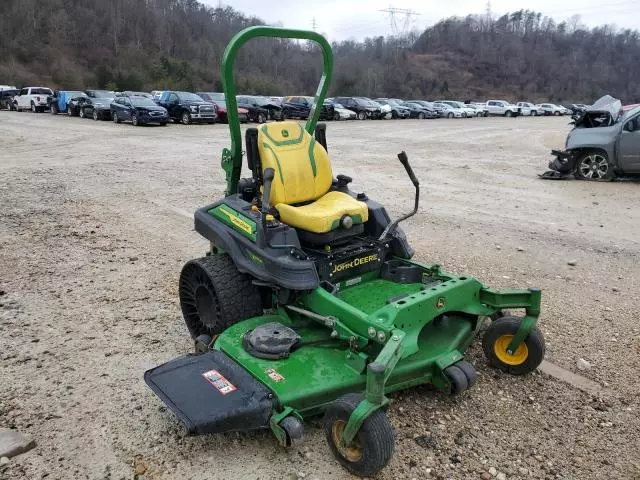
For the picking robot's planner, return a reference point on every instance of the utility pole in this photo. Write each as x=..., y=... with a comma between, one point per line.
x=313, y=24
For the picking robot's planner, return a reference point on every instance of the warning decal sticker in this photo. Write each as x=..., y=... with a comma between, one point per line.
x=274, y=375
x=216, y=379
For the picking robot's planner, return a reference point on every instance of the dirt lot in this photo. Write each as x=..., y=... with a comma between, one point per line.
x=94, y=229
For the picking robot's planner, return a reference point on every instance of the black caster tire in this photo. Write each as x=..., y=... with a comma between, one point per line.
x=458, y=379
x=202, y=343
x=469, y=372
x=294, y=429
x=525, y=359
x=373, y=446
x=214, y=295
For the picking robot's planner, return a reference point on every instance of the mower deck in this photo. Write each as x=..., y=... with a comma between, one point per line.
x=314, y=375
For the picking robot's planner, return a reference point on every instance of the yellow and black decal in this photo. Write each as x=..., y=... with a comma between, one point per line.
x=350, y=264
x=235, y=220
x=254, y=258
x=354, y=262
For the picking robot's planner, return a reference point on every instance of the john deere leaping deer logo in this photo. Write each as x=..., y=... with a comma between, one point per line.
x=440, y=303
x=285, y=132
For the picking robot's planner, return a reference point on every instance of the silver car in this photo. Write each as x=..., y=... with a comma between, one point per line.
x=605, y=143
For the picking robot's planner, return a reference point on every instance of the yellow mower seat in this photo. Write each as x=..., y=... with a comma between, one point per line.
x=300, y=188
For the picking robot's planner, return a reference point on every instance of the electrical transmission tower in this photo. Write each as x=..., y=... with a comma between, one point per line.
x=400, y=20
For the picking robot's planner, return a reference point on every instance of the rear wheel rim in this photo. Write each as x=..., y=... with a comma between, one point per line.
x=114, y=117
x=134, y=120
x=594, y=166
x=95, y=115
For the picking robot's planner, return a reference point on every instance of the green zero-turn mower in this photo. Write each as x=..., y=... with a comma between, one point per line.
x=308, y=302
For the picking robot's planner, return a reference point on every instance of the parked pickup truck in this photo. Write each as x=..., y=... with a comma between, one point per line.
x=186, y=107
x=528, y=109
x=605, y=143
x=35, y=99
x=503, y=108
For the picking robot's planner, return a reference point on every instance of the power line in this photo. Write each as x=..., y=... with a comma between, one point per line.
x=400, y=20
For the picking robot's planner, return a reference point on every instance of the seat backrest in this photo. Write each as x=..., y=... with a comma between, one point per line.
x=301, y=165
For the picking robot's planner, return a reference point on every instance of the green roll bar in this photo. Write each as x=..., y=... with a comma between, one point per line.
x=232, y=158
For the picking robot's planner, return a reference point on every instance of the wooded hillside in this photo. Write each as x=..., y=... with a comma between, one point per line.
x=163, y=44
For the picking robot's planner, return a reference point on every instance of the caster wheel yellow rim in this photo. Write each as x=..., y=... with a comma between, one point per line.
x=500, y=349
x=352, y=452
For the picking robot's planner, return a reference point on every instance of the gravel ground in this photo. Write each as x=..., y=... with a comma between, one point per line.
x=96, y=225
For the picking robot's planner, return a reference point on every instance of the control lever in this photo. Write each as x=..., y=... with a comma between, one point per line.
x=404, y=160
x=267, y=177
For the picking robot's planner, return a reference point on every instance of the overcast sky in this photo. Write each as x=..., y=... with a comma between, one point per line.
x=342, y=19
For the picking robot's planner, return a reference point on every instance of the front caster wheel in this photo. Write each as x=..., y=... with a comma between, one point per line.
x=527, y=356
x=372, y=447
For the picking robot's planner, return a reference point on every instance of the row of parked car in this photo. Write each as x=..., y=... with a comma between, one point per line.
x=164, y=106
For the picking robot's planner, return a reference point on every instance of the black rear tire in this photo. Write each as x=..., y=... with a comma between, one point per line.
x=373, y=445
x=214, y=295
